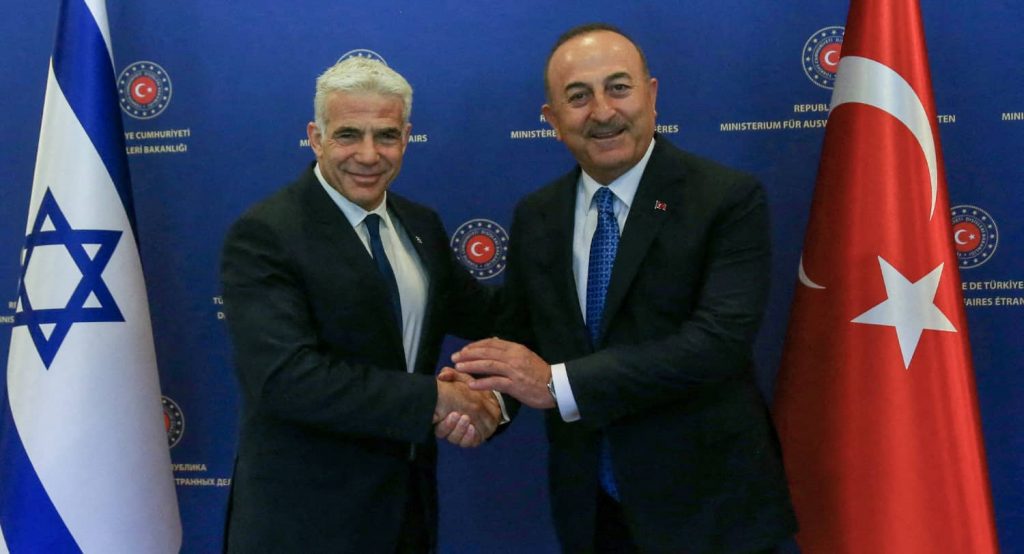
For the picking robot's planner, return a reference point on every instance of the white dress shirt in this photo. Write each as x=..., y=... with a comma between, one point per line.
x=413, y=281
x=584, y=225
x=405, y=262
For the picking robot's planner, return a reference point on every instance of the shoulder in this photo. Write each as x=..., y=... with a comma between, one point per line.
x=281, y=210
x=552, y=193
x=701, y=179
x=418, y=219
x=289, y=201
x=411, y=209
x=697, y=168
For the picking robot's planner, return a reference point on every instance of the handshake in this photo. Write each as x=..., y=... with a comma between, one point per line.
x=468, y=410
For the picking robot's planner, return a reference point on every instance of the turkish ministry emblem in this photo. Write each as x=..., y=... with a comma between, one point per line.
x=174, y=421
x=144, y=89
x=363, y=53
x=820, y=56
x=62, y=279
x=482, y=247
x=975, y=235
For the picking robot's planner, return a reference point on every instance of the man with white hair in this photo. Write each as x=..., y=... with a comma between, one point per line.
x=338, y=294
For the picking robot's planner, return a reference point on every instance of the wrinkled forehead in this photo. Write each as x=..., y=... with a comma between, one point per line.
x=364, y=109
x=594, y=55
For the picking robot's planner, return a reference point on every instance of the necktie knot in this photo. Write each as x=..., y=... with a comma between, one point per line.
x=372, y=222
x=605, y=200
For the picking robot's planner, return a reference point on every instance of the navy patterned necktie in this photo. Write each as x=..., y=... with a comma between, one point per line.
x=372, y=222
x=602, y=258
x=603, y=246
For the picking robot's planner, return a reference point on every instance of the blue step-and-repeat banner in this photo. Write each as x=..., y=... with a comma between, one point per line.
x=216, y=96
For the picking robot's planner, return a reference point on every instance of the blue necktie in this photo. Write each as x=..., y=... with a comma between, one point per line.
x=599, y=273
x=372, y=222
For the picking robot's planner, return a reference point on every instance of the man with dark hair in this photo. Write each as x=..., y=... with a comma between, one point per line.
x=636, y=284
x=338, y=294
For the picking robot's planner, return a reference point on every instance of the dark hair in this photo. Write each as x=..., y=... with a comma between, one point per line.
x=586, y=29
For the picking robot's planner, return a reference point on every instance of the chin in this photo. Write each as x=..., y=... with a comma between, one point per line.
x=606, y=163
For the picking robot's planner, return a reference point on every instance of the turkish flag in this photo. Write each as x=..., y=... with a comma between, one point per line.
x=875, y=403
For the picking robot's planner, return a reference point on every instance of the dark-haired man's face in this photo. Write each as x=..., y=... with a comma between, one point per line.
x=601, y=103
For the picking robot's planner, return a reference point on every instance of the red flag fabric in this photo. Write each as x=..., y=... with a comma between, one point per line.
x=875, y=403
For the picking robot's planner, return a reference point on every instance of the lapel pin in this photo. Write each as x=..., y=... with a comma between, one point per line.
x=659, y=205
x=418, y=239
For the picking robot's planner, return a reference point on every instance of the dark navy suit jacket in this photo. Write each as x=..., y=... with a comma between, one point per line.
x=328, y=411
x=671, y=382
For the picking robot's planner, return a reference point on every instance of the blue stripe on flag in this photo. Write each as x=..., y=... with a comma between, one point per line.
x=82, y=67
x=85, y=74
x=30, y=521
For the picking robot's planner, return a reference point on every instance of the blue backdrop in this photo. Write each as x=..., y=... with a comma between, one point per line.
x=235, y=82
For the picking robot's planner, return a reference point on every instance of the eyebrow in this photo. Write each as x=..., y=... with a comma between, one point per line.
x=617, y=76
x=374, y=130
x=613, y=77
x=575, y=85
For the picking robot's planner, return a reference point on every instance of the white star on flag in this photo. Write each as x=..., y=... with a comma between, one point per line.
x=910, y=308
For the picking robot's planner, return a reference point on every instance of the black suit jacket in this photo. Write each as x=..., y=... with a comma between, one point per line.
x=328, y=411
x=670, y=382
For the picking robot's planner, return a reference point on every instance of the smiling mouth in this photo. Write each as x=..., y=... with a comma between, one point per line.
x=604, y=134
x=365, y=178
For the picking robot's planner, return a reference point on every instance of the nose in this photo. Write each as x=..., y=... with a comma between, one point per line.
x=603, y=111
x=366, y=152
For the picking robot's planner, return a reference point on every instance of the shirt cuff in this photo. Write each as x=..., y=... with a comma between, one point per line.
x=563, y=394
x=501, y=404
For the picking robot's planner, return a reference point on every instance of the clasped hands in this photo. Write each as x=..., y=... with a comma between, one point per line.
x=464, y=416
x=484, y=366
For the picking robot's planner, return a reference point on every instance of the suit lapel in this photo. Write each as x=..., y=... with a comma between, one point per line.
x=559, y=218
x=659, y=192
x=416, y=229
x=341, y=238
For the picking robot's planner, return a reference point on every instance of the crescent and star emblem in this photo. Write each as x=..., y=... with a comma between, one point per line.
x=137, y=90
x=473, y=249
x=865, y=81
x=830, y=57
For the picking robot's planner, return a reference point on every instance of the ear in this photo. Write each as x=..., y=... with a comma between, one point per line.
x=406, y=135
x=315, y=138
x=549, y=115
x=653, y=86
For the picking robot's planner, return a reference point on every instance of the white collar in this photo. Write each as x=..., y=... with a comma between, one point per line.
x=623, y=187
x=354, y=213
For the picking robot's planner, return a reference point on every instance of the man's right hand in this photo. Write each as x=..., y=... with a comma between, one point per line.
x=463, y=416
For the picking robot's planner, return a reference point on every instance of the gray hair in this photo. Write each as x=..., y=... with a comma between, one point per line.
x=360, y=75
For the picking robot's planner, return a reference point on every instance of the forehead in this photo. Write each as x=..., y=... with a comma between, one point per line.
x=357, y=109
x=593, y=56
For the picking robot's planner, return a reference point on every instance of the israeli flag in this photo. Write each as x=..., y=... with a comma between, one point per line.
x=84, y=461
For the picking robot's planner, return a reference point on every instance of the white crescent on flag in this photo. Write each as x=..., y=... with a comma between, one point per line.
x=866, y=81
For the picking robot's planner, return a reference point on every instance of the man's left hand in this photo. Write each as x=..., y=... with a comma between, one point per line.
x=473, y=426
x=507, y=367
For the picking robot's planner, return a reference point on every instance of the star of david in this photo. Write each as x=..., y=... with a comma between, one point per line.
x=90, y=302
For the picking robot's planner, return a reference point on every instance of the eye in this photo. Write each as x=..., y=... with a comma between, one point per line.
x=389, y=137
x=346, y=136
x=578, y=98
x=620, y=89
